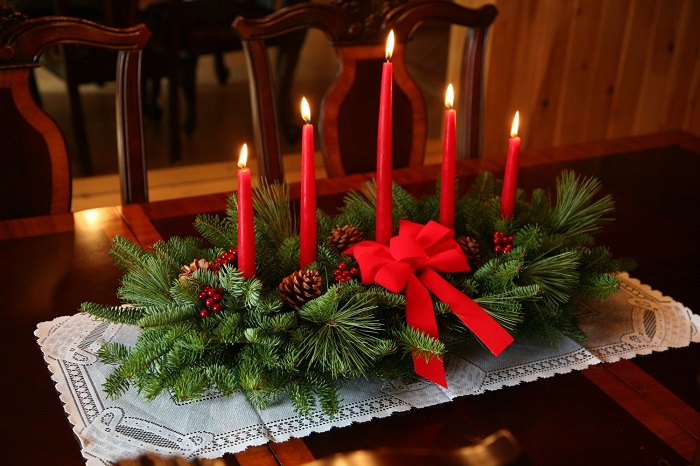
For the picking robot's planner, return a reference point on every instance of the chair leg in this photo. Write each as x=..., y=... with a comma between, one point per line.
x=189, y=89
x=78, y=121
x=220, y=68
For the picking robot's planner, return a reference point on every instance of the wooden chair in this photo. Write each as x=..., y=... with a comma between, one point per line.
x=35, y=177
x=183, y=31
x=349, y=111
x=78, y=65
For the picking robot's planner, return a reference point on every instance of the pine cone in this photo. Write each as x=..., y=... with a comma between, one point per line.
x=188, y=270
x=342, y=238
x=300, y=287
x=471, y=250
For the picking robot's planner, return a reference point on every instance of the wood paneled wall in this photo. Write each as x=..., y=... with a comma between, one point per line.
x=587, y=70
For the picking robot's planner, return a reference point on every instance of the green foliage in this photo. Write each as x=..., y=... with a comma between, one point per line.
x=342, y=338
x=119, y=314
x=260, y=347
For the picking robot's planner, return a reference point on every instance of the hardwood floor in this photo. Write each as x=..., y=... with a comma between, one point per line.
x=209, y=154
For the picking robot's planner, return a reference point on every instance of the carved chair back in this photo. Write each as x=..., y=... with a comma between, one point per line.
x=35, y=178
x=349, y=111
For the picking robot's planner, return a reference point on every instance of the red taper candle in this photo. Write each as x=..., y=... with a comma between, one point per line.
x=384, y=198
x=510, y=179
x=307, y=237
x=246, y=229
x=449, y=160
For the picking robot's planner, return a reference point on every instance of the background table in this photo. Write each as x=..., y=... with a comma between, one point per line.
x=633, y=412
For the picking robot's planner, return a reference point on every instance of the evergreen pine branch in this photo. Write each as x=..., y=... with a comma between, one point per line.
x=359, y=209
x=600, y=260
x=125, y=253
x=116, y=384
x=150, y=347
x=538, y=211
x=259, y=384
x=280, y=322
x=220, y=232
x=278, y=260
x=500, y=272
x=262, y=337
x=429, y=206
x=119, y=314
x=193, y=347
x=325, y=223
x=598, y=285
x=269, y=304
x=191, y=384
x=581, y=242
x=549, y=320
x=184, y=293
x=272, y=212
x=232, y=208
x=621, y=265
x=113, y=353
x=385, y=298
x=169, y=314
x=327, y=260
x=529, y=237
x=405, y=206
x=161, y=378
x=147, y=285
x=326, y=390
x=343, y=339
x=484, y=188
x=179, y=251
x=223, y=378
x=230, y=329
x=419, y=343
x=507, y=306
x=398, y=365
x=302, y=397
x=198, y=279
x=250, y=293
x=239, y=292
x=556, y=275
x=575, y=212
x=231, y=279
x=151, y=386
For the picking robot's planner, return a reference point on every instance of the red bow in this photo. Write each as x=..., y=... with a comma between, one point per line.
x=412, y=262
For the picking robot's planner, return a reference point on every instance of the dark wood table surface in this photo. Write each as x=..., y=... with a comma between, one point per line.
x=635, y=412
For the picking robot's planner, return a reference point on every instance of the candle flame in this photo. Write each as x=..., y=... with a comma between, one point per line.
x=243, y=158
x=449, y=97
x=390, y=45
x=305, y=110
x=514, y=128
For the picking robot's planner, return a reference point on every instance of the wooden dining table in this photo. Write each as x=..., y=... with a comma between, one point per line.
x=634, y=412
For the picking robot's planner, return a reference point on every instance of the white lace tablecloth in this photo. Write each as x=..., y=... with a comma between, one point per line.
x=637, y=320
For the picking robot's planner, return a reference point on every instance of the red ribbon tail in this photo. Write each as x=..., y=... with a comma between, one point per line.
x=420, y=315
x=433, y=370
x=485, y=327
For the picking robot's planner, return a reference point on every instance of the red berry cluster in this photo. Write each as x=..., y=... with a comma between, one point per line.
x=342, y=274
x=212, y=300
x=502, y=243
x=229, y=257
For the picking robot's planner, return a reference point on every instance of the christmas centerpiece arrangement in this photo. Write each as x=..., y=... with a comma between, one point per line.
x=263, y=305
x=303, y=331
